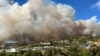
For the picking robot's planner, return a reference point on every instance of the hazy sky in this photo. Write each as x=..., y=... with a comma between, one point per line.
x=85, y=9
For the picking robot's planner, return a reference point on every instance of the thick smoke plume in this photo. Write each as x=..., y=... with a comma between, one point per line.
x=42, y=21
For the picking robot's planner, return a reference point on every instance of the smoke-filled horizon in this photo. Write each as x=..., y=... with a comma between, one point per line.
x=43, y=20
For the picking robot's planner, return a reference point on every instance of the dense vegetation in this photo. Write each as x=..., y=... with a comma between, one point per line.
x=73, y=46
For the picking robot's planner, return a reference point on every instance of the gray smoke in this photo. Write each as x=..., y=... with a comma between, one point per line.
x=43, y=21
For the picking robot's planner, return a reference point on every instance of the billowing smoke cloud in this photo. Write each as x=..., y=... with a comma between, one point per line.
x=42, y=21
